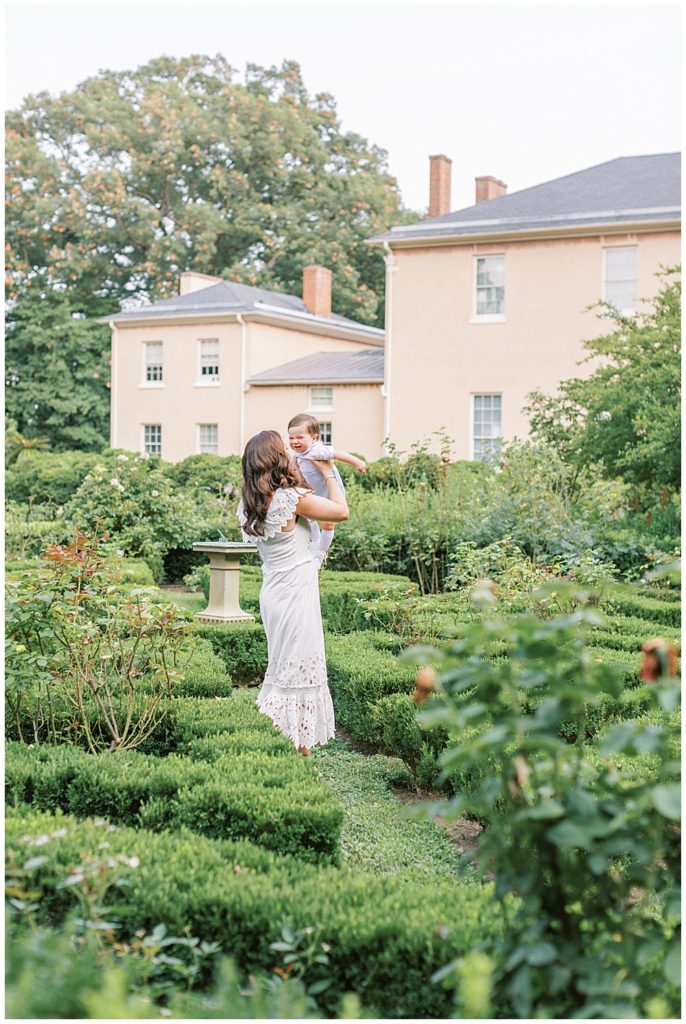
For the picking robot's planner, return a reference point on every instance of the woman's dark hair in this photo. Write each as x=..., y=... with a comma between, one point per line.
x=266, y=467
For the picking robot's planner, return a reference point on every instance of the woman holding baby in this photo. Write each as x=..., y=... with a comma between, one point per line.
x=275, y=512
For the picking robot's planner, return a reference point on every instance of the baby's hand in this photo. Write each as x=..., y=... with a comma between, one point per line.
x=361, y=466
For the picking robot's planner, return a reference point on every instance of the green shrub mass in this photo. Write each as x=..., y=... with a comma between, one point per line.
x=242, y=647
x=273, y=797
x=44, y=977
x=526, y=516
x=222, y=832
x=387, y=937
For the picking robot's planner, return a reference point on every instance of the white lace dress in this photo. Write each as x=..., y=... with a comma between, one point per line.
x=295, y=692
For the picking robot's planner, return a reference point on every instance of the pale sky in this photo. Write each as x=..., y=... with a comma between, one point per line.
x=525, y=93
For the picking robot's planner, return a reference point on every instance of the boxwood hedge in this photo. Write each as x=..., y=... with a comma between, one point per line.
x=387, y=936
x=260, y=790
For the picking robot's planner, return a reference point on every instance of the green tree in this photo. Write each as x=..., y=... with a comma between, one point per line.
x=56, y=376
x=625, y=416
x=135, y=176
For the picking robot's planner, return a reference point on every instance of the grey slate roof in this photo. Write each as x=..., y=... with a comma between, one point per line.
x=232, y=297
x=629, y=189
x=366, y=364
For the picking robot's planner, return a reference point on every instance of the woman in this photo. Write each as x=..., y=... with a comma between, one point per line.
x=274, y=512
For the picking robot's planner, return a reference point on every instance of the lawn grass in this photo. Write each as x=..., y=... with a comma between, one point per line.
x=378, y=834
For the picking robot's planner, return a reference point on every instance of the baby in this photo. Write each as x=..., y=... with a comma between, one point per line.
x=303, y=438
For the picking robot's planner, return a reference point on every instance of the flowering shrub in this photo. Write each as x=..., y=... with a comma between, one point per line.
x=82, y=650
x=128, y=498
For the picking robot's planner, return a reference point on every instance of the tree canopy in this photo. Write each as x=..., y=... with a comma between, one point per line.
x=57, y=376
x=626, y=415
x=118, y=186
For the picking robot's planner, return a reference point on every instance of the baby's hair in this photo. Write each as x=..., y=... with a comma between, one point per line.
x=303, y=419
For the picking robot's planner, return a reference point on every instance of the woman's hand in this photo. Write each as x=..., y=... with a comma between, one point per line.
x=324, y=466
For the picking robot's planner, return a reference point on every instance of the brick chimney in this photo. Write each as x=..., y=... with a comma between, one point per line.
x=317, y=290
x=439, y=185
x=488, y=187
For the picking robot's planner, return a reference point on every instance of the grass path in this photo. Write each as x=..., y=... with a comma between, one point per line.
x=378, y=835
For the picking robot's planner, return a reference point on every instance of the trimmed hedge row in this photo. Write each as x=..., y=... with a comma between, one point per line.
x=205, y=674
x=632, y=601
x=344, y=596
x=359, y=675
x=225, y=789
x=372, y=691
x=242, y=647
x=387, y=936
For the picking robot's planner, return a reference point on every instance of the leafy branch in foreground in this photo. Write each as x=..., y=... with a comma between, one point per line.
x=583, y=842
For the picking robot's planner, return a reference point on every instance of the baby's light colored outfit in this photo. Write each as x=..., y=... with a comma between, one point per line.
x=313, y=476
x=295, y=692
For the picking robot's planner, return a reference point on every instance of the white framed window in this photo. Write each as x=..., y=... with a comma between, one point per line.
x=209, y=361
x=487, y=425
x=325, y=432
x=208, y=438
x=152, y=438
x=489, y=288
x=153, y=362
x=321, y=397
x=620, y=277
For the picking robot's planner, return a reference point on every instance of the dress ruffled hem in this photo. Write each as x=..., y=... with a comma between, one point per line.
x=297, y=672
x=305, y=716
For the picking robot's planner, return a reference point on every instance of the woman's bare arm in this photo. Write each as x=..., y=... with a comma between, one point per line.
x=334, y=508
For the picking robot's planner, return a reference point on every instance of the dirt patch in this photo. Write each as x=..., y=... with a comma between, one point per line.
x=462, y=833
x=176, y=586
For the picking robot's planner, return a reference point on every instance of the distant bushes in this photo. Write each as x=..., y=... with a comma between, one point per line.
x=414, y=516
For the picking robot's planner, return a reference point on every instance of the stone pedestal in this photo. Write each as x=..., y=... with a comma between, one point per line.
x=225, y=561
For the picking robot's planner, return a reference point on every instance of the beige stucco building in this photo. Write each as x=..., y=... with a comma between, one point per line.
x=188, y=372
x=483, y=306
x=486, y=304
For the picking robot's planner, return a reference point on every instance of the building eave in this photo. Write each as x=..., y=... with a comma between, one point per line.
x=310, y=381
x=530, y=234
x=306, y=322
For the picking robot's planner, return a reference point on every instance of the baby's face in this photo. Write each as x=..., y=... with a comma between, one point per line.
x=299, y=440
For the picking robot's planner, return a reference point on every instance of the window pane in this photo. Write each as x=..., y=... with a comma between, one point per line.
x=621, y=294
x=209, y=359
x=487, y=426
x=209, y=439
x=325, y=433
x=152, y=438
x=621, y=276
x=321, y=397
x=490, y=285
x=620, y=263
x=153, y=361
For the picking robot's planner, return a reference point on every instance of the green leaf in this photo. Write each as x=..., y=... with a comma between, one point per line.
x=667, y=800
x=569, y=835
x=319, y=986
x=672, y=966
x=546, y=810
x=542, y=953
x=617, y=738
x=597, y=863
